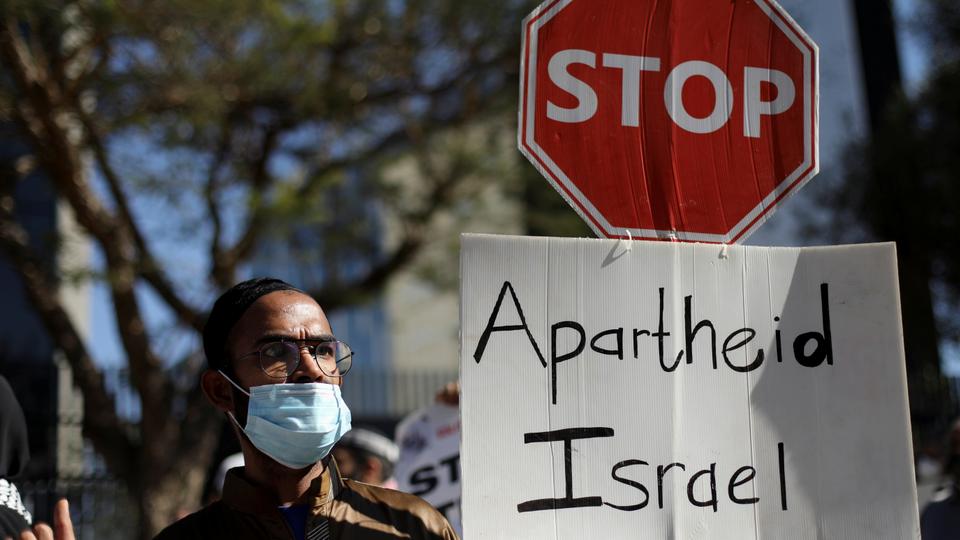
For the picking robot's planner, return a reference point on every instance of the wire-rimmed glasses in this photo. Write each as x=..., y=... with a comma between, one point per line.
x=280, y=358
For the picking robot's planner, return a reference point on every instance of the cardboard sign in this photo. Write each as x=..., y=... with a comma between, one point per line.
x=429, y=464
x=665, y=390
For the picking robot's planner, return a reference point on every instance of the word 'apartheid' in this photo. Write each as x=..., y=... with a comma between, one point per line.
x=611, y=342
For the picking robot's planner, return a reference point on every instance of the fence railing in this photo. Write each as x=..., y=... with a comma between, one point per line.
x=384, y=393
x=934, y=405
x=99, y=505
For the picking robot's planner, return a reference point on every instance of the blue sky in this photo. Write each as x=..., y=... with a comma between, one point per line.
x=914, y=61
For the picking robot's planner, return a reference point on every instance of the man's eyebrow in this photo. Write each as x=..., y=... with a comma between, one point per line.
x=267, y=338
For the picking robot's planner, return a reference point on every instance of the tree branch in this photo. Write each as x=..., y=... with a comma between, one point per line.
x=147, y=266
x=39, y=114
x=318, y=171
x=47, y=121
x=101, y=424
x=259, y=184
x=403, y=135
x=337, y=294
x=221, y=275
x=199, y=431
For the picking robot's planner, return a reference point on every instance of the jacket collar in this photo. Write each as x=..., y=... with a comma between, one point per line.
x=244, y=495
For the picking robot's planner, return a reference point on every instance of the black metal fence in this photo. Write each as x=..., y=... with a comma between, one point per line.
x=99, y=505
x=934, y=405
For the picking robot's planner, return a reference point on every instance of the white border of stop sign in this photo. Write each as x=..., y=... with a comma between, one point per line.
x=586, y=105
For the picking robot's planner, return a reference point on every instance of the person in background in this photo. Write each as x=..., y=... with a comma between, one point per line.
x=15, y=520
x=275, y=370
x=230, y=462
x=449, y=394
x=429, y=460
x=928, y=466
x=367, y=456
x=940, y=520
x=14, y=455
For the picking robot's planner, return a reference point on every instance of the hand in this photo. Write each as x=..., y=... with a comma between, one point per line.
x=62, y=526
x=449, y=394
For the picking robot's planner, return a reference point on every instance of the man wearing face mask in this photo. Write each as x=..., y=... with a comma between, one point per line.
x=275, y=370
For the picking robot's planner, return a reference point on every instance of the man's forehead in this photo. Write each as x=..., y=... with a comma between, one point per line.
x=284, y=311
x=283, y=301
x=303, y=306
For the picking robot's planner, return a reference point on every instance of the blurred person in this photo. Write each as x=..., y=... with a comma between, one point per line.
x=367, y=456
x=275, y=371
x=216, y=484
x=230, y=462
x=15, y=520
x=928, y=466
x=14, y=455
x=429, y=462
x=940, y=519
x=449, y=394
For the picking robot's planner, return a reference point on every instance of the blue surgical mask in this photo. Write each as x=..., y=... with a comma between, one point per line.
x=295, y=424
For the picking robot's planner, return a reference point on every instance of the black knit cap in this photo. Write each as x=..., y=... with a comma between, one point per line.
x=228, y=309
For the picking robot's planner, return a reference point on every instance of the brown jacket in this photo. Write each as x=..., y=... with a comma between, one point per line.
x=353, y=510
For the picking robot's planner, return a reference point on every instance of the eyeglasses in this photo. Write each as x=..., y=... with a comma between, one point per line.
x=279, y=359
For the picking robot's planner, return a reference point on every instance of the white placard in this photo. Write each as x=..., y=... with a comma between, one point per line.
x=429, y=463
x=661, y=390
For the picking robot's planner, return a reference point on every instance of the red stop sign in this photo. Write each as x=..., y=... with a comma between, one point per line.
x=669, y=119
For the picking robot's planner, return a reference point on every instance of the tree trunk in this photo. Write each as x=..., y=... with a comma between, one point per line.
x=897, y=210
x=921, y=339
x=171, y=478
x=173, y=497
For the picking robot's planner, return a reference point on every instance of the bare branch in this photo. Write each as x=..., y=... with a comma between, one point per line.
x=260, y=183
x=147, y=266
x=318, y=171
x=336, y=294
x=47, y=122
x=41, y=117
x=221, y=275
x=405, y=135
x=199, y=431
x=101, y=424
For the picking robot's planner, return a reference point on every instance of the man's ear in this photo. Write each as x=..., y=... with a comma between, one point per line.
x=372, y=471
x=217, y=389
